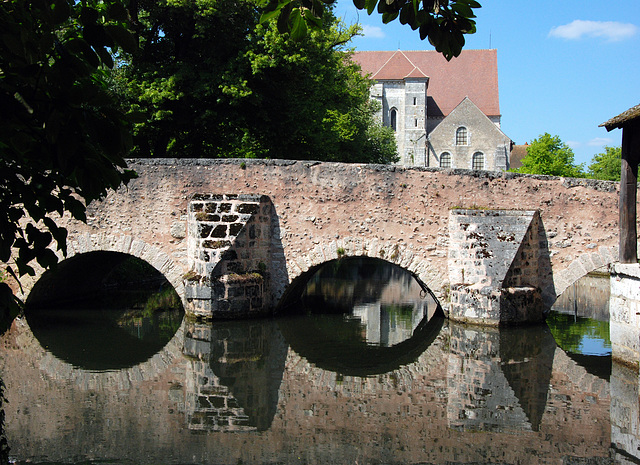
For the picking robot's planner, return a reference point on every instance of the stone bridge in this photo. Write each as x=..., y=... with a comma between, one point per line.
x=233, y=236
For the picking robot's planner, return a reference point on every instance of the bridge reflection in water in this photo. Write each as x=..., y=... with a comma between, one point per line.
x=288, y=391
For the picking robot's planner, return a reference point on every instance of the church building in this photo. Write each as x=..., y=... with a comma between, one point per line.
x=445, y=114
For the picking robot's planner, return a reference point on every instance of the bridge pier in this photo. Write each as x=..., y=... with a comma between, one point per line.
x=229, y=251
x=498, y=265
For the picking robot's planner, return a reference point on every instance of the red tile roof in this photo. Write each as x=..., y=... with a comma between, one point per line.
x=398, y=65
x=473, y=74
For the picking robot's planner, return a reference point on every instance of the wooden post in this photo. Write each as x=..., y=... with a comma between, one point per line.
x=628, y=188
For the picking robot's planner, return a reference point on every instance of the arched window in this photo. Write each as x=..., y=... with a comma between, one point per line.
x=445, y=160
x=393, y=118
x=461, y=136
x=477, y=162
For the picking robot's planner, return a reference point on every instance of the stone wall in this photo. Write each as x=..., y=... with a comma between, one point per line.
x=482, y=136
x=399, y=214
x=624, y=312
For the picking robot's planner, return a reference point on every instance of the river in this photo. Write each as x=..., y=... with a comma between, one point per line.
x=364, y=372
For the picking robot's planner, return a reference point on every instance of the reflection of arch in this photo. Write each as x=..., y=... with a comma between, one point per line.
x=347, y=359
x=426, y=273
x=87, y=379
x=127, y=245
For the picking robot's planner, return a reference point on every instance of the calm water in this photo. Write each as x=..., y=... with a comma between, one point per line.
x=366, y=372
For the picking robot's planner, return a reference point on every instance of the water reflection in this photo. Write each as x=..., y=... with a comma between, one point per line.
x=579, y=322
x=361, y=317
x=103, y=339
x=324, y=389
x=382, y=303
x=108, y=317
x=471, y=395
x=233, y=375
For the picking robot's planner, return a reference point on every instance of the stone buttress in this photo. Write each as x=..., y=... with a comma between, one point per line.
x=229, y=251
x=499, y=267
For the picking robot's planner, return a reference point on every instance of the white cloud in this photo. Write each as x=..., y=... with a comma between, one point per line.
x=612, y=31
x=373, y=32
x=599, y=142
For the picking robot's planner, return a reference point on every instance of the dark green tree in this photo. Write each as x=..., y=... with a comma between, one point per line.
x=443, y=22
x=549, y=155
x=62, y=134
x=215, y=84
x=607, y=165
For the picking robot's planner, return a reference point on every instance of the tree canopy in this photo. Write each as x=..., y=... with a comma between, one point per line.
x=606, y=165
x=443, y=22
x=62, y=134
x=549, y=155
x=217, y=84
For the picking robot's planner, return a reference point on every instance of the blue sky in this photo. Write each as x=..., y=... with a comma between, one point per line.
x=564, y=66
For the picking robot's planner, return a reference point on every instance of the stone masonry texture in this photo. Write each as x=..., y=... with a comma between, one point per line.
x=396, y=213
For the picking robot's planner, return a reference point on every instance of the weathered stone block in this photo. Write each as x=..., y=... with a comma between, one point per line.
x=491, y=257
x=250, y=208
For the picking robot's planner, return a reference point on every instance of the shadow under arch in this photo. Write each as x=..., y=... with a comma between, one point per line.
x=103, y=311
x=84, y=275
x=351, y=356
x=294, y=291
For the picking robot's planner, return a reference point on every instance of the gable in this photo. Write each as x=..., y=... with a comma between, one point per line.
x=398, y=67
x=473, y=74
x=467, y=114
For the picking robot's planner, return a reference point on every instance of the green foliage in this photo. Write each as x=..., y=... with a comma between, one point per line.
x=549, y=155
x=444, y=23
x=607, y=165
x=62, y=135
x=223, y=85
x=165, y=299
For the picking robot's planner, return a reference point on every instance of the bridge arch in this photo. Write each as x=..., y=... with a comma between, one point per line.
x=401, y=254
x=124, y=244
x=581, y=266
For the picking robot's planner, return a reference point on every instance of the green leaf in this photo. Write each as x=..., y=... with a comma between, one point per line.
x=117, y=11
x=283, y=19
x=105, y=57
x=462, y=9
x=408, y=14
x=61, y=11
x=123, y=37
x=359, y=4
x=88, y=16
x=269, y=15
x=388, y=17
x=371, y=5
x=298, y=25
x=47, y=259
